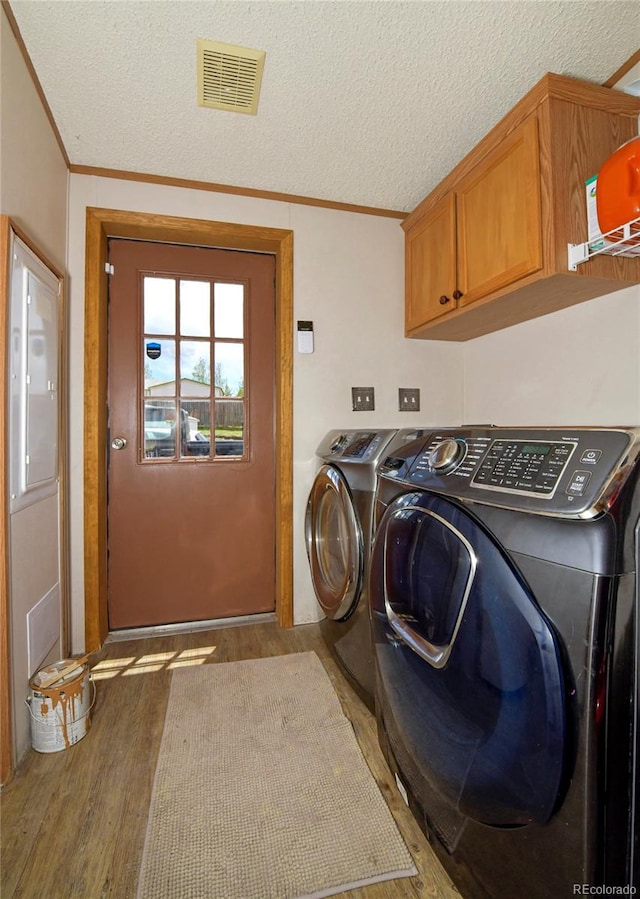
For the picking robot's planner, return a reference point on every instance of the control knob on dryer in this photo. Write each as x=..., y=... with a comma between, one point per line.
x=338, y=444
x=447, y=455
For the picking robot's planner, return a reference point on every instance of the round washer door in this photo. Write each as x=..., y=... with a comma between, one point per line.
x=334, y=544
x=471, y=688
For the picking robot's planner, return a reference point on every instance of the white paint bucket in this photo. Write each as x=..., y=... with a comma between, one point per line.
x=60, y=713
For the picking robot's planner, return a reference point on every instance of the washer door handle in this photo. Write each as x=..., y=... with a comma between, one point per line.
x=436, y=654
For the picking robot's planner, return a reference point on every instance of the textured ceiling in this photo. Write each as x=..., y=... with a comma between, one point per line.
x=370, y=103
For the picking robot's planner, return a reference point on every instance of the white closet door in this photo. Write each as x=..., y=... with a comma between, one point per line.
x=34, y=377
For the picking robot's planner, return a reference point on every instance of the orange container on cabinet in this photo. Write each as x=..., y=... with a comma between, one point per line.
x=618, y=192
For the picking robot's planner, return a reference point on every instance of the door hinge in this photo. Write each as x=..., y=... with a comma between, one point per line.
x=109, y=269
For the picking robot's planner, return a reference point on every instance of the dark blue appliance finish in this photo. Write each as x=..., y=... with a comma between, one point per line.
x=505, y=623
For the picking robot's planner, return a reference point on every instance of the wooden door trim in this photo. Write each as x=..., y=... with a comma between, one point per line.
x=6, y=741
x=102, y=224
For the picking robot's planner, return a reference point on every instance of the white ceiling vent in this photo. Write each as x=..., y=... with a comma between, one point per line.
x=229, y=77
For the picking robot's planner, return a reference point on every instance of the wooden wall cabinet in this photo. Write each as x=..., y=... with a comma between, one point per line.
x=431, y=264
x=488, y=247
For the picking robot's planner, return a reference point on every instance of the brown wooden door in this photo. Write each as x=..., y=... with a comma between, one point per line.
x=431, y=265
x=499, y=218
x=191, y=493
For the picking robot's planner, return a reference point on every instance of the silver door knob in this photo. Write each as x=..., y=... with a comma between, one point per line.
x=118, y=443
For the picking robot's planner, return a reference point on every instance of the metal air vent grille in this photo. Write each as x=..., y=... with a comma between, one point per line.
x=229, y=77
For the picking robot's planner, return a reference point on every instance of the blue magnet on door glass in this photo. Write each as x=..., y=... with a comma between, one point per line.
x=154, y=350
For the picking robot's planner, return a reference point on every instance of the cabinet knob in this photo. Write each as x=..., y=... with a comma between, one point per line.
x=444, y=300
x=457, y=294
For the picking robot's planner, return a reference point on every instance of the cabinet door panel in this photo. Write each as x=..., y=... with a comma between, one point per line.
x=499, y=222
x=430, y=265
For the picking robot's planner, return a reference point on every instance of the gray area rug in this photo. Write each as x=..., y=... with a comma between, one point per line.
x=261, y=791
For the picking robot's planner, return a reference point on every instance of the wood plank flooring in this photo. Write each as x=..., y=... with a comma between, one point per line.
x=73, y=822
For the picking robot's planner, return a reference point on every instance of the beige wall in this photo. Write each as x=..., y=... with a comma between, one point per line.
x=33, y=172
x=33, y=192
x=348, y=279
x=577, y=366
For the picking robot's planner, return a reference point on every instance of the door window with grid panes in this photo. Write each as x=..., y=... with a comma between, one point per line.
x=193, y=370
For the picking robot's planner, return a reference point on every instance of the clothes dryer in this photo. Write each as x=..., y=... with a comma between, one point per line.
x=339, y=531
x=504, y=600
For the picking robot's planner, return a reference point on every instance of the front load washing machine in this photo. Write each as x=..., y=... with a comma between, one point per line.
x=338, y=531
x=505, y=618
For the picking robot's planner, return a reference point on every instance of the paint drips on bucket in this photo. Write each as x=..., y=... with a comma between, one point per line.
x=60, y=713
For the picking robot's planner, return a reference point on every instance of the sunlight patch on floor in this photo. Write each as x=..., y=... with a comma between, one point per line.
x=151, y=663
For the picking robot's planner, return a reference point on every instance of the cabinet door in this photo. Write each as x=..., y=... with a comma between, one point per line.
x=499, y=222
x=430, y=260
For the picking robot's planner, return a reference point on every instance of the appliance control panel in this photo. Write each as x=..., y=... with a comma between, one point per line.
x=357, y=446
x=354, y=446
x=557, y=471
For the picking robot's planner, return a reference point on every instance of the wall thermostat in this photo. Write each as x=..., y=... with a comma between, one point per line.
x=305, y=337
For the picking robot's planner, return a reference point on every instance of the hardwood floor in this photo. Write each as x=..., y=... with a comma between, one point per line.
x=73, y=822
